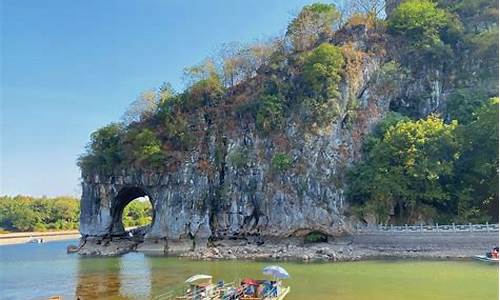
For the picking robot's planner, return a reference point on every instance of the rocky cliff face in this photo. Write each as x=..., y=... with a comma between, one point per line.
x=229, y=187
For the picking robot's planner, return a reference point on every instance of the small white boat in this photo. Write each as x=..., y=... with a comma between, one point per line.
x=486, y=258
x=35, y=241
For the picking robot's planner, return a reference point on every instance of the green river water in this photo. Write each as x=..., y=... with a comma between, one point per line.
x=37, y=271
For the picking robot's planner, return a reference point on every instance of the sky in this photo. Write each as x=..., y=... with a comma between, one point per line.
x=70, y=67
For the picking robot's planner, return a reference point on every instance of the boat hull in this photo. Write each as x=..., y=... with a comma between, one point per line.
x=486, y=259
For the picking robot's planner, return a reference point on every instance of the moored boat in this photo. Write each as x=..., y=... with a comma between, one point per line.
x=486, y=258
x=35, y=240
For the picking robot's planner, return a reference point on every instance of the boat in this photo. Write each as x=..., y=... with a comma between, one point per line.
x=201, y=287
x=486, y=258
x=35, y=240
x=263, y=290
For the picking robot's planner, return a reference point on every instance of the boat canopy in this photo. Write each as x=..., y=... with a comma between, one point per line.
x=197, y=277
x=276, y=271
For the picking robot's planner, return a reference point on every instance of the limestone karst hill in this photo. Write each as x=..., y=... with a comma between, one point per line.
x=259, y=146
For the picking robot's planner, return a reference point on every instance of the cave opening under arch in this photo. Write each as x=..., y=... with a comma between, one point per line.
x=140, y=216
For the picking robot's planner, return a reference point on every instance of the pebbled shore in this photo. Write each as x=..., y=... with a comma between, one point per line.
x=359, y=247
x=347, y=248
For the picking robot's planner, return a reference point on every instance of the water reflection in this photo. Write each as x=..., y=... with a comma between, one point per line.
x=125, y=277
x=135, y=277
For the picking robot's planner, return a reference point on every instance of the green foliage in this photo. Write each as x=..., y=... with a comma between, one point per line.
x=390, y=120
x=103, y=152
x=321, y=75
x=142, y=147
x=137, y=213
x=22, y=213
x=484, y=48
x=281, y=162
x=428, y=170
x=322, y=71
x=270, y=115
x=476, y=171
x=206, y=87
x=476, y=15
x=173, y=125
x=462, y=103
x=239, y=158
x=406, y=170
x=206, y=92
x=314, y=23
x=420, y=23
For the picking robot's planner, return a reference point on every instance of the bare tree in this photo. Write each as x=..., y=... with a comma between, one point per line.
x=205, y=70
x=142, y=108
x=314, y=22
x=238, y=62
x=165, y=92
x=372, y=7
x=375, y=8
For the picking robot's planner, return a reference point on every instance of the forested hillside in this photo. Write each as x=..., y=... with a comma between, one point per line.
x=288, y=118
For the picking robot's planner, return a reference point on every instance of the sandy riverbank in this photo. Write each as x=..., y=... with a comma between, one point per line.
x=24, y=237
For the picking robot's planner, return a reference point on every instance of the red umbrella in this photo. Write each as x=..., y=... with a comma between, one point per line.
x=249, y=281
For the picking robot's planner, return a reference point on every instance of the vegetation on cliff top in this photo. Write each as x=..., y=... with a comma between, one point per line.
x=415, y=166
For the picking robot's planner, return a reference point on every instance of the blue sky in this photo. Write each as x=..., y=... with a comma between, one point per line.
x=69, y=67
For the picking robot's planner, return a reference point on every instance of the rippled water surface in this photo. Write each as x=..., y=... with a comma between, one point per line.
x=37, y=271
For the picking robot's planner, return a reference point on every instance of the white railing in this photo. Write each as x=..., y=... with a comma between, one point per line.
x=427, y=228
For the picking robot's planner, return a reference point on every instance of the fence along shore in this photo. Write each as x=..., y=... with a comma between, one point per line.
x=415, y=228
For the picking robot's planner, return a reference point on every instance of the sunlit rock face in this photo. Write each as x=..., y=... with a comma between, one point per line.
x=231, y=187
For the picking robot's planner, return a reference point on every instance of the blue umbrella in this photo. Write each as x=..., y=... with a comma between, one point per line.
x=276, y=271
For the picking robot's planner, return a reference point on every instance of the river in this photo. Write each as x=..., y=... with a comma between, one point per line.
x=37, y=271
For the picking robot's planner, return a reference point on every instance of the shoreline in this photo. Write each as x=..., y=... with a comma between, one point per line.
x=348, y=248
x=47, y=236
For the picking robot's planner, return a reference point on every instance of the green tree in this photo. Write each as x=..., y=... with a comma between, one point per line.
x=407, y=171
x=103, y=152
x=23, y=213
x=420, y=24
x=137, y=213
x=270, y=114
x=322, y=74
x=144, y=148
x=462, y=103
x=476, y=15
x=206, y=87
x=322, y=71
x=477, y=168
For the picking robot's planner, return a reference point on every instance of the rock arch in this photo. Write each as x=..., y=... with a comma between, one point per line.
x=181, y=212
x=124, y=196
